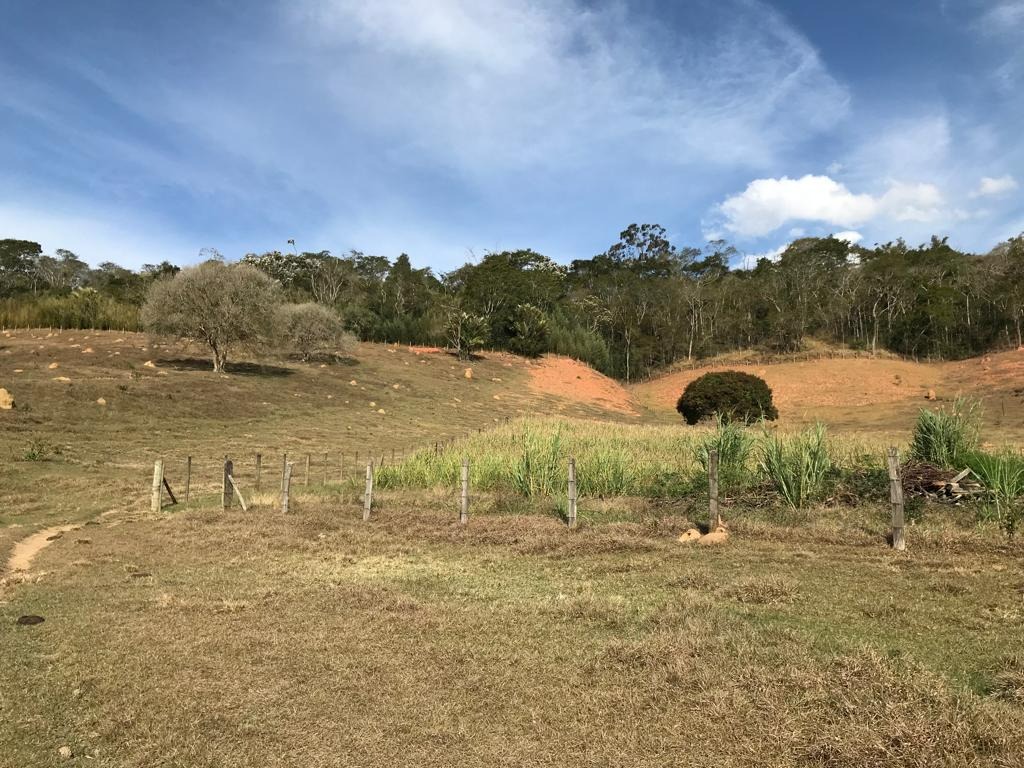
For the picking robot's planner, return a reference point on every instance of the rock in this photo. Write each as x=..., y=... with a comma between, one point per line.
x=63, y=379
x=468, y=373
x=373, y=404
x=53, y=366
x=353, y=382
x=101, y=401
x=930, y=395
x=87, y=351
x=149, y=364
x=688, y=536
x=380, y=411
x=19, y=370
x=30, y=620
x=497, y=397
x=396, y=386
x=6, y=400
x=65, y=753
x=718, y=536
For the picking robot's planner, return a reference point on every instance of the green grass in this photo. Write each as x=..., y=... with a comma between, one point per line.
x=947, y=436
x=798, y=466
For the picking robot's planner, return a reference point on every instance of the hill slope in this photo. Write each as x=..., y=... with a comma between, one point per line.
x=876, y=395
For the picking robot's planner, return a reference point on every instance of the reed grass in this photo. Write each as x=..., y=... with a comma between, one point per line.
x=947, y=436
x=529, y=457
x=797, y=465
x=1002, y=474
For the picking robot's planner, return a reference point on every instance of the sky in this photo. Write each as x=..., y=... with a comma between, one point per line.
x=138, y=132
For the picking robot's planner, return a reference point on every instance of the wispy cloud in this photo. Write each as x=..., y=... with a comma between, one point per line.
x=492, y=87
x=989, y=187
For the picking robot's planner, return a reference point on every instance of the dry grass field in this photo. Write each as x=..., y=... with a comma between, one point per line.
x=202, y=637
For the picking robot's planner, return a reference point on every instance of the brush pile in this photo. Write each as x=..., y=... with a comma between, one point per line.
x=933, y=482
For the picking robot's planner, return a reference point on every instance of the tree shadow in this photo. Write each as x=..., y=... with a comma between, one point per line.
x=327, y=358
x=239, y=369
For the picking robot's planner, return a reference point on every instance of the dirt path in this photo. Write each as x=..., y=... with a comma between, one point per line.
x=26, y=549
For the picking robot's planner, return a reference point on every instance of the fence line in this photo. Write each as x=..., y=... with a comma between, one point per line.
x=230, y=488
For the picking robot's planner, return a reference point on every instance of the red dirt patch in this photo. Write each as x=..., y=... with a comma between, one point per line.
x=578, y=382
x=812, y=384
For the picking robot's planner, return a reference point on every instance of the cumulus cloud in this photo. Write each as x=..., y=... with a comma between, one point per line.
x=768, y=204
x=850, y=237
x=989, y=187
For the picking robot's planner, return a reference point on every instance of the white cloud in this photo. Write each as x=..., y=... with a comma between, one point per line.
x=768, y=204
x=989, y=187
x=850, y=237
x=523, y=84
x=750, y=260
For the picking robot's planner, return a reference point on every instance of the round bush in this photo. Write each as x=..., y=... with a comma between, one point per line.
x=735, y=396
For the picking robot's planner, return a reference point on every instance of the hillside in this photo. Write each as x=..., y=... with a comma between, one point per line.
x=865, y=394
x=96, y=408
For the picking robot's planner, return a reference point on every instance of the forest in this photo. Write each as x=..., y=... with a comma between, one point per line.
x=640, y=306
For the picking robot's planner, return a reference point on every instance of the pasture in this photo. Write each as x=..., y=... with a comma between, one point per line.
x=210, y=637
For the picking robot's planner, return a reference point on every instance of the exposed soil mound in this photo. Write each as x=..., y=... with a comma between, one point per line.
x=576, y=381
x=814, y=383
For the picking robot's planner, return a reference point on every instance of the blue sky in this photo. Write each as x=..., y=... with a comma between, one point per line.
x=137, y=132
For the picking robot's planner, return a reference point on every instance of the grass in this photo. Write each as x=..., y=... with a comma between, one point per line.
x=226, y=639
x=530, y=457
x=947, y=436
x=798, y=466
x=201, y=637
x=1002, y=476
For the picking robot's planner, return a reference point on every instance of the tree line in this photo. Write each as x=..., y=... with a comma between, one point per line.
x=641, y=305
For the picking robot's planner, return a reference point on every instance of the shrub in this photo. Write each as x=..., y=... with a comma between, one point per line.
x=733, y=444
x=310, y=329
x=947, y=438
x=798, y=465
x=732, y=395
x=1003, y=478
x=530, y=332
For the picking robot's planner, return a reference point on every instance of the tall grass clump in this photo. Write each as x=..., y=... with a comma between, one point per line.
x=734, y=445
x=947, y=437
x=1003, y=477
x=797, y=465
x=538, y=470
x=529, y=457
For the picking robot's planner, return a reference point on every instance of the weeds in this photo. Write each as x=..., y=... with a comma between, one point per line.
x=1003, y=477
x=40, y=450
x=734, y=445
x=947, y=437
x=798, y=465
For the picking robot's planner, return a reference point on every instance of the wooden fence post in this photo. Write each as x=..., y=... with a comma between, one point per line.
x=284, y=468
x=572, y=493
x=227, y=490
x=368, y=494
x=286, y=483
x=714, y=515
x=307, y=470
x=188, y=478
x=259, y=470
x=899, y=543
x=158, y=486
x=464, y=509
